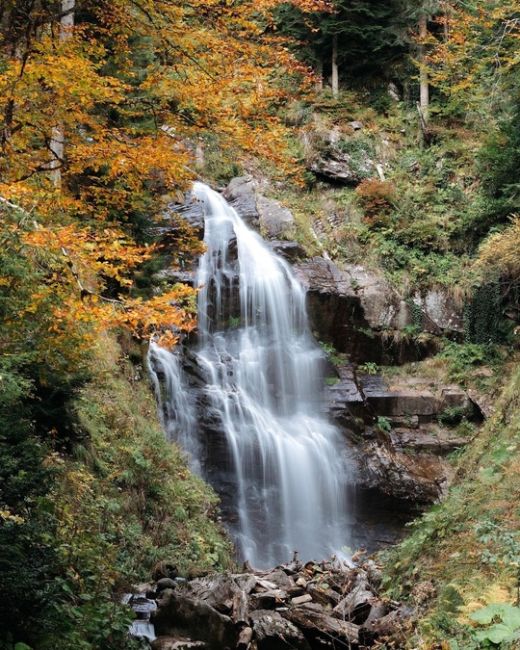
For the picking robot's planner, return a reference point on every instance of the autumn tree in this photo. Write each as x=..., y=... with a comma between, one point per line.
x=101, y=103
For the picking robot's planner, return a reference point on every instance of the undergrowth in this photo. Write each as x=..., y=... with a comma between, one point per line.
x=467, y=548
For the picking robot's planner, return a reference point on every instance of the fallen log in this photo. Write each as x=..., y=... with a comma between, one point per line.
x=240, y=608
x=244, y=638
x=323, y=625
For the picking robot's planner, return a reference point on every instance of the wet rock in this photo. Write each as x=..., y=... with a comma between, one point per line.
x=325, y=597
x=197, y=617
x=289, y=250
x=280, y=579
x=165, y=583
x=321, y=625
x=269, y=599
x=194, y=611
x=356, y=605
x=421, y=478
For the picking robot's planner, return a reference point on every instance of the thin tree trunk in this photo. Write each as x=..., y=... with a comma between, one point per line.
x=57, y=143
x=319, y=75
x=335, y=74
x=424, y=99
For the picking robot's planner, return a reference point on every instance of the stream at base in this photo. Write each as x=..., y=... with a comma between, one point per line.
x=249, y=413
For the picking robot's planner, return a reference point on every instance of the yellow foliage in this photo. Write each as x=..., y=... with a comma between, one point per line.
x=129, y=90
x=499, y=252
x=495, y=593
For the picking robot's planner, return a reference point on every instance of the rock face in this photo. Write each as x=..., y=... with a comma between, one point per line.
x=294, y=606
x=269, y=215
x=361, y=314
x=335, y=157
x=340, y=168
x=191, y=211
x=399, y=443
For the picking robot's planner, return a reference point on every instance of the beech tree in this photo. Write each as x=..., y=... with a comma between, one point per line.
x=100, y=103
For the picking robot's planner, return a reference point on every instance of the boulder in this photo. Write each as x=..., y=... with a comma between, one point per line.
x=329, y=161
x=195, y=616
x=191, y=210
x=337, y=167
x=263, y=213
x=165, y=583
x=440, y=312
x=273, y=632
x=274, y=218
x=418, y=477
x=289, y=250
x=241, y=194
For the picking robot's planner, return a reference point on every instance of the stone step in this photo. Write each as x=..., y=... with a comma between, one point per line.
x=437, y=441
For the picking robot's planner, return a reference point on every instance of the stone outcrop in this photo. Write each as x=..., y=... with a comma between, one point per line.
x=265, y=214
x=339, y=167
x=244, y=194
x=361, y=314
x=329, y=159
x=295, y=606
x=399, y=441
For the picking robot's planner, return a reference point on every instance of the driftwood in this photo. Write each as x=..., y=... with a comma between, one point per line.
x=323, y=625
x=240, y=608
x=244, y=638
x=294, y=606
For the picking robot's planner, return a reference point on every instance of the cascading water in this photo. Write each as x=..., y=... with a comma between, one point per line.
x=264, y=383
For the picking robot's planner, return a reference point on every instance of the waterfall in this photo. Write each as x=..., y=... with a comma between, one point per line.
x=263, y=380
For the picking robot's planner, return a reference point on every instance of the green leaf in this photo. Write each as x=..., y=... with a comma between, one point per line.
x=511, y=616
x=485, y=615
x=22, y=646
x=496, y=634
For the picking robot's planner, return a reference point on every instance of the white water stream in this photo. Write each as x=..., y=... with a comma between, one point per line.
x=263, y=373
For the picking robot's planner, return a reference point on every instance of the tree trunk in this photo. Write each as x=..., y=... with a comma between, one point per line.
x=57, y=143
x=319, y=75
x=335, y=74
x=424, y=99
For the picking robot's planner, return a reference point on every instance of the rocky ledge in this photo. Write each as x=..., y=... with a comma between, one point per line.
x=361, y=314
x=400, y=430
x=311, y=606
